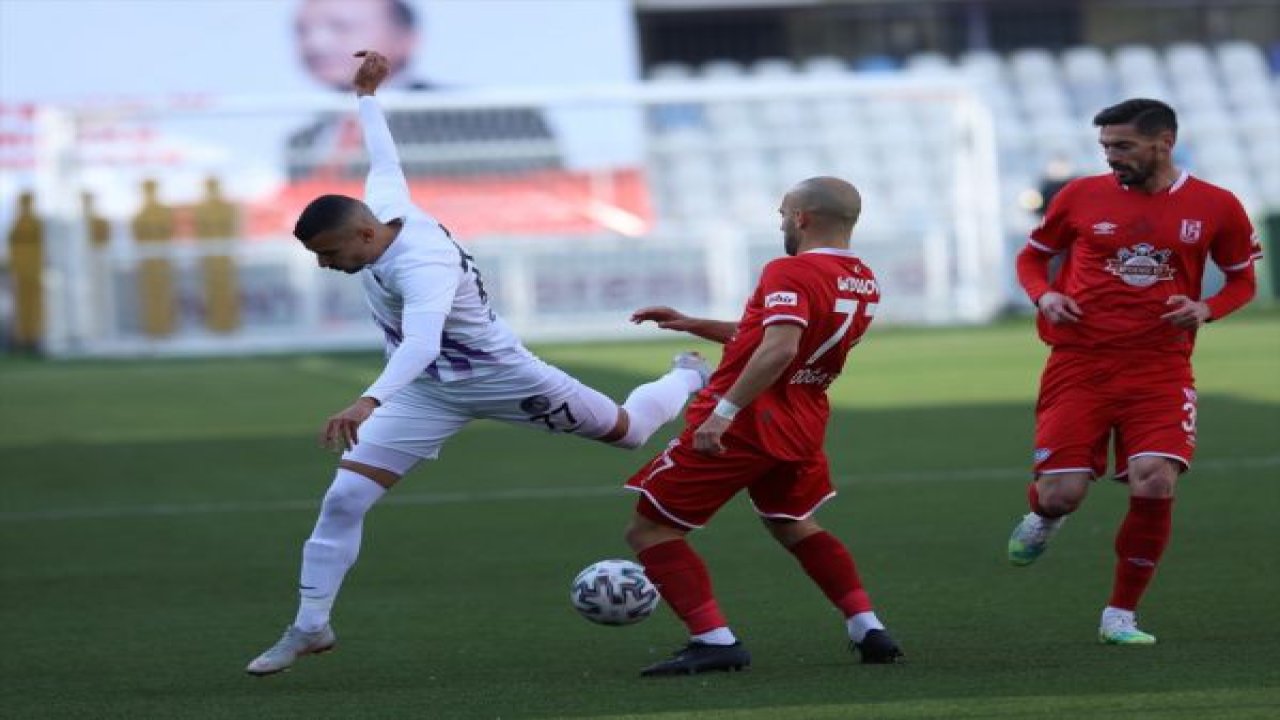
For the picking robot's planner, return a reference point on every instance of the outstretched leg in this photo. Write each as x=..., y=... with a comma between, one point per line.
x=656, y=403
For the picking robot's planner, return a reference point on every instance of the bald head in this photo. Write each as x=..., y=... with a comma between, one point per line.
x=831, y=200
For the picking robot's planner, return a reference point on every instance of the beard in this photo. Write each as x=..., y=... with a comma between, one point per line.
x=1131, y=175
x=790, y=242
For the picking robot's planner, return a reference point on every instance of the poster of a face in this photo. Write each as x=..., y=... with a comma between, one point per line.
x=257, y=94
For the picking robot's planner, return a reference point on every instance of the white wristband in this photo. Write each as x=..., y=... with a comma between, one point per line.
x=726, y=409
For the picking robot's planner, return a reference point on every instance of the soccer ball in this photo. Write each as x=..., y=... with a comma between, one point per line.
x=614, y=592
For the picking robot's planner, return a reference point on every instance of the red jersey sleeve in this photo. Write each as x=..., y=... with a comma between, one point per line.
x=1235, y=249
x=782, y=295
x=1235, y=245
x=1055, y=232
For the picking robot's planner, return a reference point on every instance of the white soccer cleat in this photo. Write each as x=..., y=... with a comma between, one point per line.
x=1030, y=538
x=694, y=361
x=293, y=644
x=1120, y=627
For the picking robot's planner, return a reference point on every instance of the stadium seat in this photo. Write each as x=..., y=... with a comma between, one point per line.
x=824, y=66
x=772, y=68
x=721, y=70
x=670, y=72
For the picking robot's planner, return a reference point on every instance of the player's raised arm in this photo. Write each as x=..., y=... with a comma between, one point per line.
x=386, y=179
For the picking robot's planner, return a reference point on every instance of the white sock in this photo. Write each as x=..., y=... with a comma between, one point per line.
x=656, y=403
x=719, y=636
x=333, y=546
x=862, y=623
x=1114, y=615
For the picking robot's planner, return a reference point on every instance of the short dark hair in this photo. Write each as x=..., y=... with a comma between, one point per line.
x=324, y=213
x=1150, y=117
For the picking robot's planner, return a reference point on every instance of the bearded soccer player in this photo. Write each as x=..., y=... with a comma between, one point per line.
x=759, y=426
x=450, y=360
x=1121, y=319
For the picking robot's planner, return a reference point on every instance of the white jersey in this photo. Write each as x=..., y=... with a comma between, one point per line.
x=425, y=281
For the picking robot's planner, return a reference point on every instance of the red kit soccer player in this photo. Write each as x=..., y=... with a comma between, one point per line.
x=759, y=426
x=1121, y=318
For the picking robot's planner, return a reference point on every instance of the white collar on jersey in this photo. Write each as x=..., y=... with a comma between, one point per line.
x=829, y=251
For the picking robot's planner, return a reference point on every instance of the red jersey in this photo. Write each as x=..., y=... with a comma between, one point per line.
x=833, y=296
x=1128, y=252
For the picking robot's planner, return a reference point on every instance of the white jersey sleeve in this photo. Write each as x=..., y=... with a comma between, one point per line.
x=385, y=189
x=426, y=284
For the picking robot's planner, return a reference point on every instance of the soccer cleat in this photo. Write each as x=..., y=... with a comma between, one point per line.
x=694, y=361
x=697, y=657
x=292, y=645
x=877, y=648
x=1031, y=537
x=1122, y=629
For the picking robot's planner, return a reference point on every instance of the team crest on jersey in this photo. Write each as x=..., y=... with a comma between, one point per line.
x=1190, y=233
x=781, y=298
x=1041, y=454
x=1105, y=228
x=1141, y=265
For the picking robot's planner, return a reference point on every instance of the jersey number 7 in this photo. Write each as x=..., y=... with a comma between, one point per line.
x=848, y=308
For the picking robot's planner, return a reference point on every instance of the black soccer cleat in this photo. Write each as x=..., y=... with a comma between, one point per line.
x=877, y=648
x=698, y=657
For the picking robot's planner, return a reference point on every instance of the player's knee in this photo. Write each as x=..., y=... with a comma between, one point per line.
x=1153, y=476
x=1060, y=498
x=789, y=532
x=342, y=503
x=644, y=533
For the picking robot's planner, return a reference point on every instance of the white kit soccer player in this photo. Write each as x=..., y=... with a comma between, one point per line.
x=450, y=360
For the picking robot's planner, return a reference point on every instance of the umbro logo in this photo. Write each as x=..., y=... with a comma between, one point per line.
x=1105, y=228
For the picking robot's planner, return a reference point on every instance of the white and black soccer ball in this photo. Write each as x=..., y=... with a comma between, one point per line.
x=614, y=592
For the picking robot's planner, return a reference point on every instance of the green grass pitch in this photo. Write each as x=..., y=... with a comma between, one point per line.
x=152, y=515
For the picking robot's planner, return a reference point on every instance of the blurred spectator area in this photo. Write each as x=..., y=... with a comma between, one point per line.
x=1043, y=67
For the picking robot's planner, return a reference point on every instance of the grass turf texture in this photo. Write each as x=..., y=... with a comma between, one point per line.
x=153, y=512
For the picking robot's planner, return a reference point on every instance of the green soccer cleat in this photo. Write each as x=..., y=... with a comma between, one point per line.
x=1031, y=537
x=1121, y=628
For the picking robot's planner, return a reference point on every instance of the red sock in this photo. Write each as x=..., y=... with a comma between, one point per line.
x=829, y=563
x=1139, y=544
x=684, y=583
x=1033, y=499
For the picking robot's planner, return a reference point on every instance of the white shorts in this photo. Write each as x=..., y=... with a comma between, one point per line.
x=417, y=420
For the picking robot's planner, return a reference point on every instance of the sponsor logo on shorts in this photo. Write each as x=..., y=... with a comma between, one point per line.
x=1041, y=454
x=781, y=298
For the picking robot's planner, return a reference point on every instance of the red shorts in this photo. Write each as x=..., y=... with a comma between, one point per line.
x=683, y=488
x=1147, y=404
